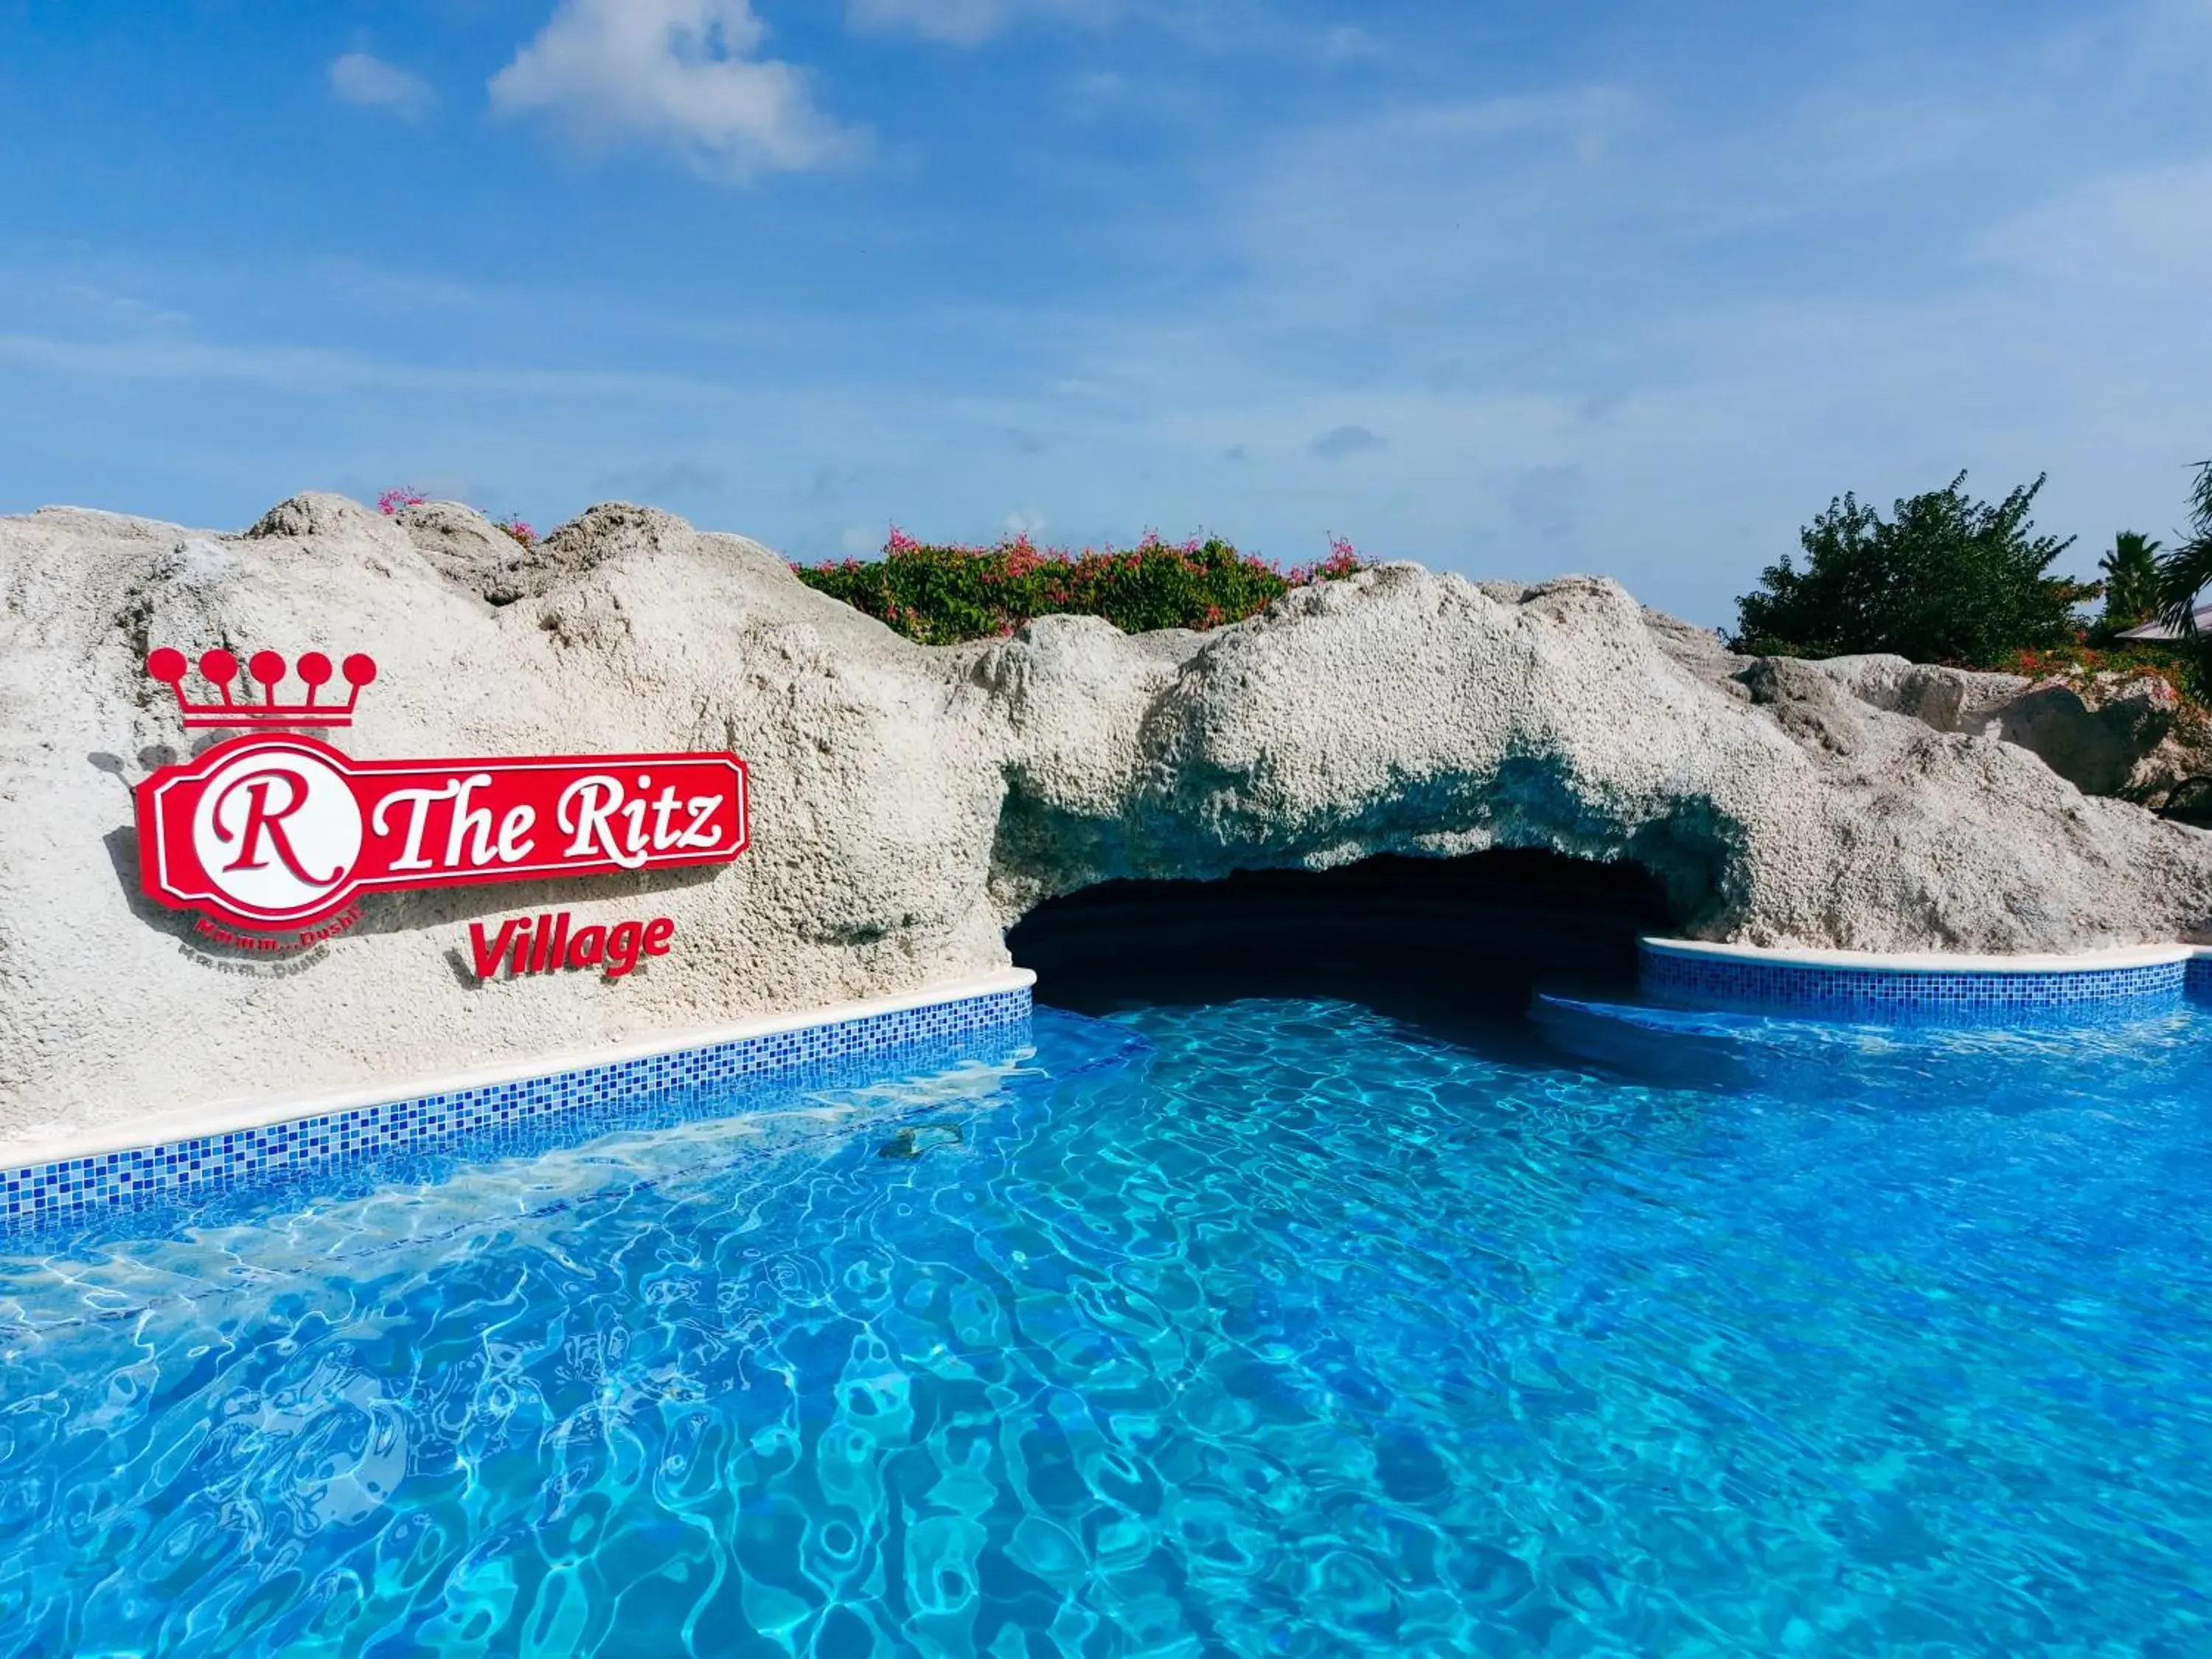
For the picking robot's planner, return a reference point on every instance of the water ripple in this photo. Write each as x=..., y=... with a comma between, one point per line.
x=1262, y=1328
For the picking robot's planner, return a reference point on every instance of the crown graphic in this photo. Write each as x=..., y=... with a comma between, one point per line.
x=219, y=670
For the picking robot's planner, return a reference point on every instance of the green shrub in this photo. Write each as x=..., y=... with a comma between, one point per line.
x=2174, y=664
x=1947, y=579
x=939, y=595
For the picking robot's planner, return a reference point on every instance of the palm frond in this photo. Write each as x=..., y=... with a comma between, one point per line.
x=2187, y=571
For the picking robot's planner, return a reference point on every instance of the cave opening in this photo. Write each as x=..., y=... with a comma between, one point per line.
x=1442, y=942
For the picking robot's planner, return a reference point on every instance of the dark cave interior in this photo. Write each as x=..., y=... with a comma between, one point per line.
x=1440, y=942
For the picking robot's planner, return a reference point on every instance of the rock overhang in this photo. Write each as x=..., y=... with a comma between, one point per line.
x=910, y=803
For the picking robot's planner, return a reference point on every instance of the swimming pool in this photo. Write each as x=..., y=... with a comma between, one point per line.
x=1267, y=1326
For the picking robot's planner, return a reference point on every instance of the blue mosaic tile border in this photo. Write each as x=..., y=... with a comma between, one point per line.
x=1915, y=996
x=2198, y=984
x=567, y=1106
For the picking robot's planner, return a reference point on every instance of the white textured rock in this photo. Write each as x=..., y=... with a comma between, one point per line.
x=910, y=803
x=2106, y=733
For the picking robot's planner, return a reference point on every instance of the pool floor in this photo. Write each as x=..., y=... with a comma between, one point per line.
x=1260, y=1328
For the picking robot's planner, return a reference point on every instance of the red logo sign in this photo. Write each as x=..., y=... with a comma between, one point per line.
x=275, y=829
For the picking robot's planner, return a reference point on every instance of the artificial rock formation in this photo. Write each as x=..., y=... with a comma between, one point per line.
x=909, y=803
x=2107, y=733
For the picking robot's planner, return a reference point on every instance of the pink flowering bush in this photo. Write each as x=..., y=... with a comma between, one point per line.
x=1343, y=560
x=391, y=501
x=939, y=594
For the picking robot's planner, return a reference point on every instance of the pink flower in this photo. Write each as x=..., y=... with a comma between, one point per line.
x=1344, y=560
x=392, y=500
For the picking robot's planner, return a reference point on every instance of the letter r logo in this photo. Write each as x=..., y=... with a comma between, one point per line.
x=276, y=833
x=264, y=828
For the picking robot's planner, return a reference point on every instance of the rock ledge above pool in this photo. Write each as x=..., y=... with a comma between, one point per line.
x=909, y=803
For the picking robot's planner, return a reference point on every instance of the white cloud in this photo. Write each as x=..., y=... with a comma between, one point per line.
x=958, y=22
x=359, y=78
x=681, y=74
x=2126, y=232
x=963, y=22
x=1347, y=42
x=1340, y=441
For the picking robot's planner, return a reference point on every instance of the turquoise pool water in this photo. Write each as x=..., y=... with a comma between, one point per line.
x=1269, y=1328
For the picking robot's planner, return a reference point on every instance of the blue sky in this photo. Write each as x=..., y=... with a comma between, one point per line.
x=1512, y=288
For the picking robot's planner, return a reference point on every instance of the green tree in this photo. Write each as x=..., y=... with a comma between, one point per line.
x=2131, y=581
x=1945, y=579
x=2185, y=572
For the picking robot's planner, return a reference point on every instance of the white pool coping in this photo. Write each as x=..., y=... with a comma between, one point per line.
x=1926, y=962
x=228, y=1117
